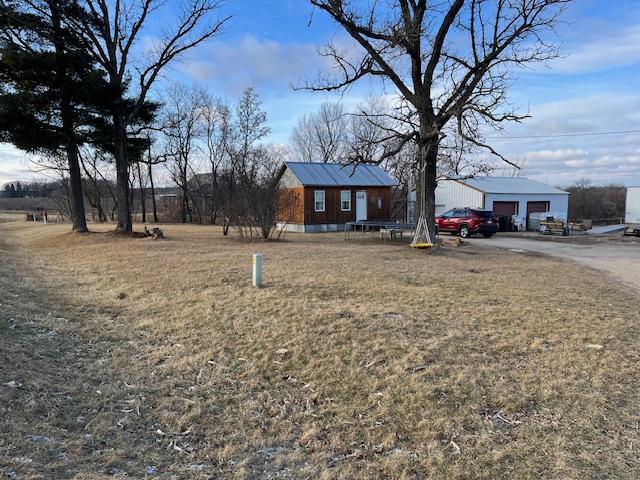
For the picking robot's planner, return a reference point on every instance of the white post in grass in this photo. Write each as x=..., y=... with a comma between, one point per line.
x=257, y=270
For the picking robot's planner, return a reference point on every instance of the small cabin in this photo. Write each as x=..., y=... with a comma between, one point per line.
x=322, y=197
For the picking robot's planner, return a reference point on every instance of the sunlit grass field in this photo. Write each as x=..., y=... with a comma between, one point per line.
x=356, y=360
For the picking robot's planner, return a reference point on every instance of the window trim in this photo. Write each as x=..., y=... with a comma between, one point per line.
x=315, y=200
x=342, y=209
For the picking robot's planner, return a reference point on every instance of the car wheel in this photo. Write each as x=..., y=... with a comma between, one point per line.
x=487, y=235
x=464, y=231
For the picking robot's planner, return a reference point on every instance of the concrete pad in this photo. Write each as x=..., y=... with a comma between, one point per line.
x=619, y=260
x=606, y=229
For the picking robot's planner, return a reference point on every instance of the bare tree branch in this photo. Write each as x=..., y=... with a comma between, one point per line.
x=411, y=44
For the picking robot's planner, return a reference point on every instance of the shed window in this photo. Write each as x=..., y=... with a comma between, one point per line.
x=345, y=200
x=319, y=200
x=379, y=203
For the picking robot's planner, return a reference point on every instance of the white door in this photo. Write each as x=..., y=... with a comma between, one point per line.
x=361, y=206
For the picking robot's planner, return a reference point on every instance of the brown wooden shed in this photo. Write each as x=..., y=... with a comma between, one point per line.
x=322, y=197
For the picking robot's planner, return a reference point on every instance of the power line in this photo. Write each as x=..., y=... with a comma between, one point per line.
x=560, y=135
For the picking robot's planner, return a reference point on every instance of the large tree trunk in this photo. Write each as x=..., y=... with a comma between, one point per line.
x=101, y=215
x=183, y=207
x=143, y=207
x=430, y=183
x=427, y=174
x=76, y=201
x=122, y=173
x=153, y=195
x=75, y=187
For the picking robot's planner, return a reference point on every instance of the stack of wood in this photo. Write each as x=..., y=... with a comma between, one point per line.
x=580, y=227
x=451, y=241
x=555, y=227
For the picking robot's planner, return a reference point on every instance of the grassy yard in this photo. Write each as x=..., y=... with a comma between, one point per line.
x=122, y=356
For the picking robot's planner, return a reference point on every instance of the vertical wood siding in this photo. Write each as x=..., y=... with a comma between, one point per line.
x=290, y=205
x=297, y=205
x=333, y=213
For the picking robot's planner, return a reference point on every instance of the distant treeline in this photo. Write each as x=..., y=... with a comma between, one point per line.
x=586, y=200
x=28, y=189
x=596, y=202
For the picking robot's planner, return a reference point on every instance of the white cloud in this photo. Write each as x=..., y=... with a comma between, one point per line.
x=565, y=155
x=265, y=64
x=576, y=163
x=565, y=159
x=13, y=165
x=620, y=47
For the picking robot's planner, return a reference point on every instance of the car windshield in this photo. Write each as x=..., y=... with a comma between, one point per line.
x=484, y=213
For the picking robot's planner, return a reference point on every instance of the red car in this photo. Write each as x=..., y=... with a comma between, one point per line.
x=467, y=221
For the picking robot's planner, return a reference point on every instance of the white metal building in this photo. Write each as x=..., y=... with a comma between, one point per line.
x=505, y=196
x=632, y=206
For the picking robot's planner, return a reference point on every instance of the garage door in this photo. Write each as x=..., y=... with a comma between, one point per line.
x=537, y=207
x=505, y=209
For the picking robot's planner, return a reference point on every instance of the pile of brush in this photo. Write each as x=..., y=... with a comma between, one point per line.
x=156, y=233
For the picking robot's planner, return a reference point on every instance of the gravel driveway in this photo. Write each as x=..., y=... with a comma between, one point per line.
x=620, y=260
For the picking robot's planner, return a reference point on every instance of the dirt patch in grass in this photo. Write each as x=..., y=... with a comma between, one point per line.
x=356, y=360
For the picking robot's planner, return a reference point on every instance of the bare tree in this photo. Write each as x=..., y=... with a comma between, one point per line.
x=599, y=203
x=260, y=192
x=217, y=123
x=151, y=159
x=321, y=136
x=302, y=141
x=248, y=162
x=142, y=189
x=460, y=158
x=98, y=189
x=517, y=169
x=366, y=139
x=183, y=127
x=55, y=167
x=329, y=132
x=448, y=61
x=113, y=29
x=251, y=127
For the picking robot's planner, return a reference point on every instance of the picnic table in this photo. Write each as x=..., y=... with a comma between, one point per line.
x=390, y=228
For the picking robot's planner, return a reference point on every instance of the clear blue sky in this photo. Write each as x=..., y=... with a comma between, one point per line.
x=594, y=88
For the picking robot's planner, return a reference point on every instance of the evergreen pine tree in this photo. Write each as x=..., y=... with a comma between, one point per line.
x=51, y=94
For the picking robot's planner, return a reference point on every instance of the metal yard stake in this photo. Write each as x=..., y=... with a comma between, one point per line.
x=257, y=269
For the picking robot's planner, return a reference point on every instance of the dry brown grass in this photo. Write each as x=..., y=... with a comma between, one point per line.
x=355, y=361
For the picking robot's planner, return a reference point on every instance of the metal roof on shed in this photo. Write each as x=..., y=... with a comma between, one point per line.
x=518, y=185
x=340, y=175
